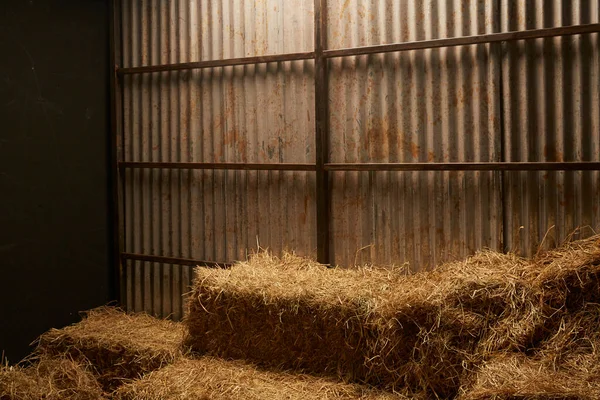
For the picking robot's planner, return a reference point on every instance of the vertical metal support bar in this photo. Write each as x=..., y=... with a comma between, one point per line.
x=503, y=175
x=116, y=118
x=322, y=133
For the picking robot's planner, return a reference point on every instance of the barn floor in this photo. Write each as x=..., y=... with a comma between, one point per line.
x=491, y=327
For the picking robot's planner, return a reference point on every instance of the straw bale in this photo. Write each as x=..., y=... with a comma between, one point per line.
x=565, y=365
x=50, y=379
x=558, y=283
x=16, y=383
x=516, y=377
x=569, y=276
x=372, y=325
x=210, y=378
x=118, y=346
x=575, y=344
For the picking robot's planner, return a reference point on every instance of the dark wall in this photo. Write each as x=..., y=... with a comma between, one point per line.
x=54, y=166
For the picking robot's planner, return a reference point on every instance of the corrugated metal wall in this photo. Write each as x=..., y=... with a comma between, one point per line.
x=438, y=105
x=551, y=92
x=522, y=101
x=262, y=113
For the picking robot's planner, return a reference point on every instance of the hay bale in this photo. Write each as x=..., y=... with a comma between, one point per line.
x=570, y=275
x=565, y=365
x=516, y=377
x=575, y=345
x=50, y=379
x=117, y=345
x=376, y=326
x=17, y=384
x=557, y=283
x=215, y=379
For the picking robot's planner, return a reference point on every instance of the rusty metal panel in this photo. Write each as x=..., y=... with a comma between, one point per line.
x=523, y=101
x=201, y=30
x=261, y=113
x=245, y=28
x=437, y=105
x=419, y=218
x=161, y=294
x=355, y=23
x=551, y=113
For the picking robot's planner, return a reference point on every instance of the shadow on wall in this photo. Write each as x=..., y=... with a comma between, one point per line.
x=54, y=164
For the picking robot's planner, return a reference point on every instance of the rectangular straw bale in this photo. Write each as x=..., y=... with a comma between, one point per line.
x=377, y=326
x=575, y=344
x=569, y=275
x=117, y=345
x=517, y=377
x=561, y=281
x=49, y=379
x=565, y=362
x=17, y=384
x=210, y=378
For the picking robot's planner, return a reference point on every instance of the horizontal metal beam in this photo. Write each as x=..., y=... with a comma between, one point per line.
x=217, y=63
x=386, y=48
x=466, y=40
x=226, y=166
x=467, y=166
x=452, y=166
x=172, y=260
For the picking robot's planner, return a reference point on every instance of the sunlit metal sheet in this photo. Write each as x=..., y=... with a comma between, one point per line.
x=260, y=114
x=551, y=104
x=439, y=105
x=535, y=100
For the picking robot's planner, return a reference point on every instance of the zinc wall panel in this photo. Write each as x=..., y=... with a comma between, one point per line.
x=440, y=105
x=255, y=114
x=551, y=113
x=535, y=100
x=158, y=289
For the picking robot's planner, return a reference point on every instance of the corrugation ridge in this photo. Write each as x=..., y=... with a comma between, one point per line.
x=174, y=215
x=189, y=55
x=146, y=232
x=137, y=148
x=154, y=178
x=164, y=155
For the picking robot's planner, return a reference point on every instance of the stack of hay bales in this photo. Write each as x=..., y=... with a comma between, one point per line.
x=118, y=346
x=493, y=326
x=369, y=325
x=144, y=358
x=424, y=332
